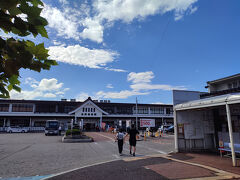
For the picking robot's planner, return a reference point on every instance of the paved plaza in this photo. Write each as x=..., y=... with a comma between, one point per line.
x=34, y=154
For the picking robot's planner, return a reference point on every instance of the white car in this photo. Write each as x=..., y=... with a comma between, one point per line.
x=17, y=129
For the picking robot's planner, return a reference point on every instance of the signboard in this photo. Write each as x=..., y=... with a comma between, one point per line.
x=128, y=123
x=147, y=122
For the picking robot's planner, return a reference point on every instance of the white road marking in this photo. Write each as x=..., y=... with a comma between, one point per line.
x=116, y=156
x=95, y=143
x=71, y=170
x=162, y=152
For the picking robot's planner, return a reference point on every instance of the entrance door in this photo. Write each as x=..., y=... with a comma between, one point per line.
x=89, y=127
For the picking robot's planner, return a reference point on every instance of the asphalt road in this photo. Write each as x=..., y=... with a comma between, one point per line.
x=34, y=154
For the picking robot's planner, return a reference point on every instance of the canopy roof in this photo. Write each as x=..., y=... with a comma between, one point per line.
x=209, y=102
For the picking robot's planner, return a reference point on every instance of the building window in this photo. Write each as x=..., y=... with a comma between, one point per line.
x=157, y=110
x=169, y=111
x=95, y=114
x=46, y=108
x=85, y=114
x=4, y=107
x=22, y=108
x=88, y=109
x=83, y=109
x=89, y=114
x=235, y=84
x=82, y=114
x=93, y=109
x=68, y=109
x=142, y=110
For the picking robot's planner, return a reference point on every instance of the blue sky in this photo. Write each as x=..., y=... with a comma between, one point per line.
x=120, y=50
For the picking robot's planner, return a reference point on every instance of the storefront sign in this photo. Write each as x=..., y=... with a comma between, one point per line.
x=147, y=122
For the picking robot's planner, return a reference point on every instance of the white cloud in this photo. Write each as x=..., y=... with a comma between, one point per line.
x=140, y=85
x=93, y=30
x=146, y=86
x=46, y=88
x=61, y=22
x=88, y=21
x=64, y=2
x=50, y=95
x=115, y=70
x=157, y=103
x=127, y=11
x=142, y=77
x=82, y=96
x=193, y=10
x=142, y=81
x=119, y=95
x=49, y=85
x=109, y=86
x=78, y=55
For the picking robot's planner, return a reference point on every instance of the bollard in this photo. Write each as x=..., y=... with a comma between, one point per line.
x=145, y=138
x=156, y=134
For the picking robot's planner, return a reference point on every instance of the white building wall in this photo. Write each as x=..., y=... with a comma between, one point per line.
x=198, y=130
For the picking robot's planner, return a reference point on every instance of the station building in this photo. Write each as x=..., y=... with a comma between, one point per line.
x=209, y=121
x=92, y=113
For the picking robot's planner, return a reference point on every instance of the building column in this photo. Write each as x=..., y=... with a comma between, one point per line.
x=100, y=123
x=175, y=131
x=165, y=111
x=4, y=122
x=75, y=120
x=229, y=119
x=10, y=108
x=149, y=110
x=82, y=123
x=30, y=123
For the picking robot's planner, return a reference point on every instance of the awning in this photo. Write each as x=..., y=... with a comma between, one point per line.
x=209, y=102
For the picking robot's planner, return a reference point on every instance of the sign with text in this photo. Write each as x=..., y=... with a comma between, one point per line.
x=147, y=122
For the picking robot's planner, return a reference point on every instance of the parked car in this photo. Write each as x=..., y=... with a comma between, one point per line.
x=13, y=129
x=165, y=126
x=169, y=129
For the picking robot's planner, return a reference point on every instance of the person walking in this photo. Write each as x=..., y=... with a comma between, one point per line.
x=120, y=137
x=132, y=139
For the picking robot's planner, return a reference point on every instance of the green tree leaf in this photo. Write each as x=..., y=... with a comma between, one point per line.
x=16, y=53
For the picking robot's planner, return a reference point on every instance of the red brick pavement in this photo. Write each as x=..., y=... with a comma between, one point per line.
x=176, y=170
x=211, y=160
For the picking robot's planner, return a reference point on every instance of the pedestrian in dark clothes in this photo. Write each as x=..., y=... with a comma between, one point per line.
x=120, y=139
x=132, y=139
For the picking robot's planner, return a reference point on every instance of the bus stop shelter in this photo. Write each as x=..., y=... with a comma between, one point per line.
x=206, y=123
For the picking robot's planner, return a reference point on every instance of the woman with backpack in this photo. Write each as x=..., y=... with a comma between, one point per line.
x=120, y=138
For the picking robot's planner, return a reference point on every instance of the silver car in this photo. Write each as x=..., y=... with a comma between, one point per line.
x=18, y=129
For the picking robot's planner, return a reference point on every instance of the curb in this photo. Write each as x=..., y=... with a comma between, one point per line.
x=76, y=140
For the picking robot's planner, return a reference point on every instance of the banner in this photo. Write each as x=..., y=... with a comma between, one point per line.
x=128, y=123
x=147, y=122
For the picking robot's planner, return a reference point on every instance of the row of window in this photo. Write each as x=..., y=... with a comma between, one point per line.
x=88, y=109
x=22, y=108
x=17, y=108
x=66, y=109
x=153, y=110
x=234, y=84
x=89, y=114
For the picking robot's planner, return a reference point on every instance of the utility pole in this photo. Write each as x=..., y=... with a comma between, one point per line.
x=136, y=114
